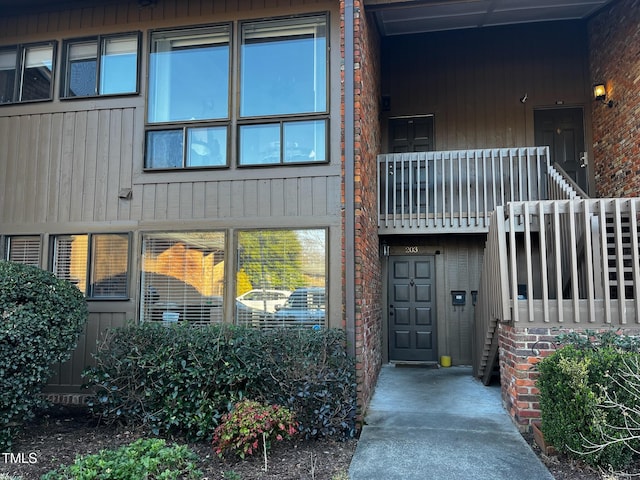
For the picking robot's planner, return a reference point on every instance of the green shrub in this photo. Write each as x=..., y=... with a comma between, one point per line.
x=169, y=379
x=251, y=424
x=145, y=458
x=41, y=318
x=183, y=379
x=573, y=384
x=310, y=373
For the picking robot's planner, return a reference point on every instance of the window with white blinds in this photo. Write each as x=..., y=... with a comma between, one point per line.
x=281, y=278
x=183, y=277
x=24, y=249
x=98, y=264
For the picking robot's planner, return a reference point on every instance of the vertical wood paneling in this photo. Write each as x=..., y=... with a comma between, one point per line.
x=54, y=182
x=11, y=181
x=69, y=373
x=124, y=177
x=102, y=165
x=472, y=80
x=277, y=197
x=264, y=191
x=43, y=159
x=238, y=199
x=292, y=196
x=251, y=198
x=198, y=199
x=78, y=166
x=88, y=205
x=149, y=204
x=4, y=165
x=66, y=168
x=116, y=149
x=186, y=200
x=224, y=200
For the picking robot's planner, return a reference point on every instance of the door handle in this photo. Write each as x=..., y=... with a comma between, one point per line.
x=391, y=310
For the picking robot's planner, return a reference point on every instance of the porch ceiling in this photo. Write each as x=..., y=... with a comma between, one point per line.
x=400, y=17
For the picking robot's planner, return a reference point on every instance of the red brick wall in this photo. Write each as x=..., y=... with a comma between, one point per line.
x=520, y=350
x=614, y=58
x=368, y=320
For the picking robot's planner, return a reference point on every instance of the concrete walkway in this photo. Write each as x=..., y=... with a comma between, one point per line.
x=440, y=424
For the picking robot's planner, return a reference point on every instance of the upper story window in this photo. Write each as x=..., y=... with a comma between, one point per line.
x=26, y=73
x=101, y=66
x=283, y=73
x=189, y=89
x=280, y=105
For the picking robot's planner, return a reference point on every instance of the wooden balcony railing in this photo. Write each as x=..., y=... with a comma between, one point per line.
x=456, y=191
x=571, y=263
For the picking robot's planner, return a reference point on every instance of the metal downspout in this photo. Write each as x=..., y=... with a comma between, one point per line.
x=349, y=187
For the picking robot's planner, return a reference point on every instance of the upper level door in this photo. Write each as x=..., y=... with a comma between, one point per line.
x=411, y=134
x=562, y=129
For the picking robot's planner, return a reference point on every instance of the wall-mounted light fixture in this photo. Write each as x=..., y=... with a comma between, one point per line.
x=600, y=93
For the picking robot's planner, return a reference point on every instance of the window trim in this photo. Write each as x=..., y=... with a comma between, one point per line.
x=99, y=39
x=20, y=50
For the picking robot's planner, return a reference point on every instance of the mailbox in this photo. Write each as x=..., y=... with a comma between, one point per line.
x=458, y=297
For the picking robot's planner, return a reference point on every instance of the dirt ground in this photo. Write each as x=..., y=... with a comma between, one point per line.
x=57, y=437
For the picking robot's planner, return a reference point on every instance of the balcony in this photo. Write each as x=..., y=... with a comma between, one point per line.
x=456, y=191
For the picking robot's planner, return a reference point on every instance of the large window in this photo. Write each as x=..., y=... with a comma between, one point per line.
x=26, y=73
x=189, y=89
x=182, y=277
x=23, y=249
x=283, y=73
x=101, y=66
x=281, y=278
x=98, y=264
x=281, y=114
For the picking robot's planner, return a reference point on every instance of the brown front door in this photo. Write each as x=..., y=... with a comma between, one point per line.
x=412, y=325
x=562, y=130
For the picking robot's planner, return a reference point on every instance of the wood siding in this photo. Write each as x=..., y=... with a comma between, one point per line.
x=473, y=80
x=76, y=166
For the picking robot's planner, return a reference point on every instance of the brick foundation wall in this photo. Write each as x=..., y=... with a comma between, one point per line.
x=520, y=350
x=614, y=59
x=368, y=283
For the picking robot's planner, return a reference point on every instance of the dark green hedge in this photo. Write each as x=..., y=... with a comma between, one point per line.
x=575, y=413
x=183, y=379
x=40, y=320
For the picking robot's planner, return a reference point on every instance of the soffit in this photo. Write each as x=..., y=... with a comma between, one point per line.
x=397, y=17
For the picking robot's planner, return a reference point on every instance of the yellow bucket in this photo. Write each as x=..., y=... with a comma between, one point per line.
x=445, y=361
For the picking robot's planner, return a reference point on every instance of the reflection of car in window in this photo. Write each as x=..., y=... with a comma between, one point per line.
x=263, y=299
x=304, y=305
